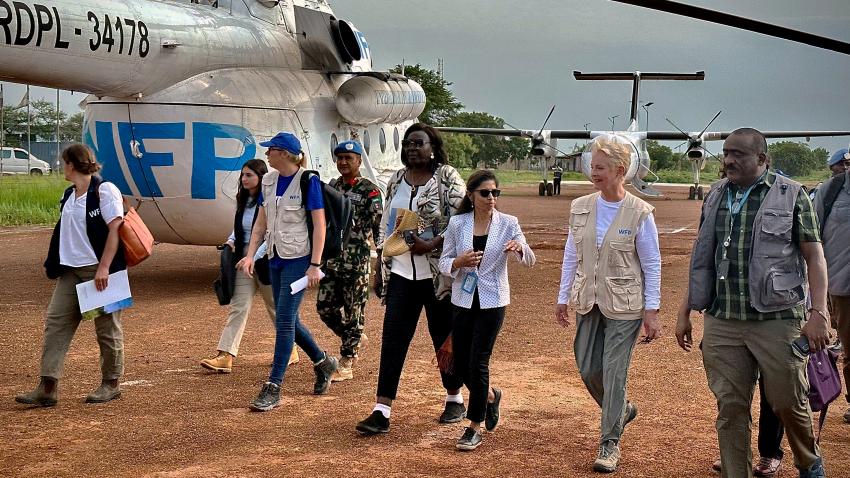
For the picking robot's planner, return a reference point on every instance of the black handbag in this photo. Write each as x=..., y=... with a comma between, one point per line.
x=225, y=283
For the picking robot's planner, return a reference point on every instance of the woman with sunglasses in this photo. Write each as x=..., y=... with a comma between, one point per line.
x=477, y=244
x=434, y=190
x=611, y=274
x=282, y=221
x=244, y=287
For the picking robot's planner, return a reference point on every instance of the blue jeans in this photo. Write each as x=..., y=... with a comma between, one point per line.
x=290, y=331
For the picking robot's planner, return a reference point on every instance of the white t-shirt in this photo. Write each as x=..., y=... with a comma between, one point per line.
x=74, y=247
x=646, y=243
x=407, y=265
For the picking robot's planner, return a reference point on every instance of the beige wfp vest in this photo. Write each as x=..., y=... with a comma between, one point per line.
x=286, y=220
x=609, y=276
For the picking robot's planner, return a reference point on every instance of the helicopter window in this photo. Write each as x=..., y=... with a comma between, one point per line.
x=212, y=3
x=366, y=140
x=382, y=140
x=334, y=141
x=395, y=138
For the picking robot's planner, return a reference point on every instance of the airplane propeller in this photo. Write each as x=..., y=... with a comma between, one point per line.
x=694, y=141
x=537, y=139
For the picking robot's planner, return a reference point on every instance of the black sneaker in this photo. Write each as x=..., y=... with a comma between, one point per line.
x=630, y=414
x=374, y=424
x=453, y=413
x=491, y=414
x=324, y=370
x=268, y=398
x=469, y=440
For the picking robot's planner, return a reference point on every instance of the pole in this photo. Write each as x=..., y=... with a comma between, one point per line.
x=57, y=127
x=29, y=134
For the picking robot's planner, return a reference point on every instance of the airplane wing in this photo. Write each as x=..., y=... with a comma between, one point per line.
x=554, y=134
x=721, y=135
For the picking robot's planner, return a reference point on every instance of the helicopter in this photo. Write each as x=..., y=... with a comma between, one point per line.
x=181, y=93
x=544, y=142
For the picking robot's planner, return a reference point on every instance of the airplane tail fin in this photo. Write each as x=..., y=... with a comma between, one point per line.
x=636, y=77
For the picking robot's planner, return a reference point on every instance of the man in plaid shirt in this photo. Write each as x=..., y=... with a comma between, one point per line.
x=756, y=230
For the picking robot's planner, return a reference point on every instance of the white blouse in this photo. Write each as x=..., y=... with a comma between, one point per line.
x=74, y=247
x=410, y=266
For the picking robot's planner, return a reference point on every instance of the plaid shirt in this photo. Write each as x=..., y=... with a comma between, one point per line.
x=732, y=300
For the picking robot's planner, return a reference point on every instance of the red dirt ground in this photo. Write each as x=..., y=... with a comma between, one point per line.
x=176, y=420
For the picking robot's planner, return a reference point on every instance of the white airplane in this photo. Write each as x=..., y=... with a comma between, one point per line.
x=182, y=92
x=544, y=142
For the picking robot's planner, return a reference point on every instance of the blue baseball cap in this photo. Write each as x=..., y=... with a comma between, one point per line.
x=838, y=156
x=349, y=147
x=284, y=140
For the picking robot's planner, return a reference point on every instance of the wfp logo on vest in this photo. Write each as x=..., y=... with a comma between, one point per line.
x=625, y=232
x=94, y=213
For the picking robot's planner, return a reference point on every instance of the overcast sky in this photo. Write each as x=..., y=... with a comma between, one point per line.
x=515, y=59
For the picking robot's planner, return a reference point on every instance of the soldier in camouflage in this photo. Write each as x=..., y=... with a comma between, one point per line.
x=343, y=292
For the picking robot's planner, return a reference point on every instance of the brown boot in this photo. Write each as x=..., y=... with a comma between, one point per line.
x=345, y=370
x=222, y=363
x=107, y=391
x=45, y=395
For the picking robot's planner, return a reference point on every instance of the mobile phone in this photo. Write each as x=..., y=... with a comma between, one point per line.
x=409, y=236
x=801, y=345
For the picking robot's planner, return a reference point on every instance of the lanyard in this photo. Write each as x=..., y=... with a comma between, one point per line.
x=735, y=209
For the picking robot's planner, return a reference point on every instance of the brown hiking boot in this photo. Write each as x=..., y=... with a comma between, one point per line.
x=105, y=392
x=223, y=363
x=40, y=397
x=345, y=370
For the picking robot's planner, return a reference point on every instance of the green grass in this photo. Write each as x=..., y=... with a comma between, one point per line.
x=30, y=200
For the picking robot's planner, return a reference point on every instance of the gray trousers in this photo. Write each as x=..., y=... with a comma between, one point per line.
x=63, y=318
x=734, y=352
x=603, y=349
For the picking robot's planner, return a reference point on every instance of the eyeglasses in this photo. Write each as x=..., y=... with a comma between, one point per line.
x=416, y=143
x=485, y=193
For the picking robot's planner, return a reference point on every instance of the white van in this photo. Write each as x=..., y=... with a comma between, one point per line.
x=19, y=161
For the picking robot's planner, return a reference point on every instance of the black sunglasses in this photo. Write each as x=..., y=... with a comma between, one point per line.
x=485, y=193
x=406, y=143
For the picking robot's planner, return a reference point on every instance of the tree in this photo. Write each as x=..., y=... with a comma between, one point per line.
x=795, y=159
x=491, y=150
x=72, y=128
x=459, y=148
x=43, y=124
x=662, y=156
x=440, y=103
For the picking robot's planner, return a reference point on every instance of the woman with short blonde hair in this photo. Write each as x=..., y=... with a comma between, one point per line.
x=611, y=275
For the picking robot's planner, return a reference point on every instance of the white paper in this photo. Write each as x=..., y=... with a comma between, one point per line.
x=301, y=283
x=117, y=290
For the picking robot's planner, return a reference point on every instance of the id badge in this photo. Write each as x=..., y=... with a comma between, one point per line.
x=723, y=269
x=469, y=282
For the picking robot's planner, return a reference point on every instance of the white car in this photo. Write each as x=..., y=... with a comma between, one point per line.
x=19, y=161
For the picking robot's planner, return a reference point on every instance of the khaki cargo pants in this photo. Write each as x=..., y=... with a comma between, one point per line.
x=734, y=351
x=63, y=318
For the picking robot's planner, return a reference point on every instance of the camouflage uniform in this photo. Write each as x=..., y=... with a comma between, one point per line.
x=343, y=292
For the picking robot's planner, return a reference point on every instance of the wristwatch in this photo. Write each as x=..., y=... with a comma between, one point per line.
x=315, y=264
x=822, y=313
